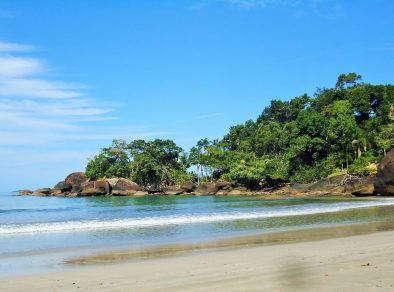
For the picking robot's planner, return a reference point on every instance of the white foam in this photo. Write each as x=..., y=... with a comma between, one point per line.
x=132, y=223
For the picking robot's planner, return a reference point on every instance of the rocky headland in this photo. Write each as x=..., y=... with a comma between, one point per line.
x=78, y=185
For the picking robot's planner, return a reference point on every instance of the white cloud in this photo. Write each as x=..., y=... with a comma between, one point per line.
x=33, y=106
x=12, y=47
x=49, y=127
x=248, y=4
x=329, y=9
x=37, y=88
x=49, y=137
x=18, y=66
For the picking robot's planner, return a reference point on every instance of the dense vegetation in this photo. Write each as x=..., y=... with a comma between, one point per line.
x=340, y=129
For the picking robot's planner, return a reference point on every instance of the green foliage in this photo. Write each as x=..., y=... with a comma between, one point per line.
x=385, y=139
x=111, y=162
x=360, y=165
x=340, y=129
x=305, y=139
x=349, y=79
x=158, y=162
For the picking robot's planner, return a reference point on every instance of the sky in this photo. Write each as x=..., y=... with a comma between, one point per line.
x=76, y=74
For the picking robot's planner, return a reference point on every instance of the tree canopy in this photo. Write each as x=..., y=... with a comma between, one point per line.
x=339, y=129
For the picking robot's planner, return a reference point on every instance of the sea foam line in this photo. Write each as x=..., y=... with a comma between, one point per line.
x=157, y=221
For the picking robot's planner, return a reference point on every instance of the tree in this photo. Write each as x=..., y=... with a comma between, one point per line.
x=199, y=157
x=349, y=79
x=268, y=138
x=156, y=163
x=299, y=140
x=385, y=139
x=342, y=127
x=111, y=162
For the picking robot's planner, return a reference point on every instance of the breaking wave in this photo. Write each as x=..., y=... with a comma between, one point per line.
x=159, y=221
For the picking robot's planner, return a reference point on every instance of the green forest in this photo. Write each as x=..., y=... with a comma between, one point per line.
x=343, y=129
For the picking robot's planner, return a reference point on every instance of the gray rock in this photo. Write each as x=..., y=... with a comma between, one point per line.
x=384, y=184
x=76, y=179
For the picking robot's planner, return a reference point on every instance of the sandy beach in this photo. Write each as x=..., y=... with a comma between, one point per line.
x=353, y=263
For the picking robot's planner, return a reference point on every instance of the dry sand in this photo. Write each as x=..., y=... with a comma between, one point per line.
x=354, y=263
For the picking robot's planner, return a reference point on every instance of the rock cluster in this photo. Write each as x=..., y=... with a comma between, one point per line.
x=78, y=185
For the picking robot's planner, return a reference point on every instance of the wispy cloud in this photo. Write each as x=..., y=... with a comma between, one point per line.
x=34, y=105
x=12, y=47
x=330, y=9
x=249, y=4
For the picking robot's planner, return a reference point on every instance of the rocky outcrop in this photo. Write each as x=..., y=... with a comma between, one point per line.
x=188, y=187
x=25, y=192
x=223, y=185
x=123, y=187
x=44, y=192
x=361, y=186
x=384, y=184
x=76, y=179
x=207, y=189
x=95, y=188
x=63, y=186
x=153, y=188
x=239, y=191
x=141, y=194
x=173, y=190
x=78, y=185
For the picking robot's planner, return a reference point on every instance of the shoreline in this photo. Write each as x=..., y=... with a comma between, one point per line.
x=305, y=234
x=324, y=259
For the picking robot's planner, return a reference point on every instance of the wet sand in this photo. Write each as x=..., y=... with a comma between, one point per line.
x=345, y=258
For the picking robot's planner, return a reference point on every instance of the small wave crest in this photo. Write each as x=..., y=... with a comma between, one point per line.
x=158, y=221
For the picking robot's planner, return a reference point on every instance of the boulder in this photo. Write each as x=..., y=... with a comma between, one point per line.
x=361, y=185
x=153, y=188
x=59, y=193
x=367, y=190
x=141, y=194
x=25, y=192
x=44, y=192
x=63, y=186
x=223, y=185
x=112, y=181
x=95, y=188
x=91, y=192
x=384, y=183
x=207, y=189
x=172, y=190
x=239, y=191
x=103, y=185
x=75, y=180
x=188, y=186
x=334, y=183
x=123, y=187
x=87, y=185
x=222, y=193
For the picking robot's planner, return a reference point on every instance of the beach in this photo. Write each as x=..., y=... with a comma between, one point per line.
x=362, y=262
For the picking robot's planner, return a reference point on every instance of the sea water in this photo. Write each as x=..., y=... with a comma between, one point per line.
x=39, y=232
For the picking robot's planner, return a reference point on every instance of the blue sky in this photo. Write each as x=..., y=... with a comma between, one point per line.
x=76, y=74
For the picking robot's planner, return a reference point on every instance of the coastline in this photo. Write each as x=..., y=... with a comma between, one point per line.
x=281, y=261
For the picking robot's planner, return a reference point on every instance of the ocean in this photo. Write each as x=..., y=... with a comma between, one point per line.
x=38, y=233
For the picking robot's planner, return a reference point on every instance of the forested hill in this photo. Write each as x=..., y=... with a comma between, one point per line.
x=346, y=128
